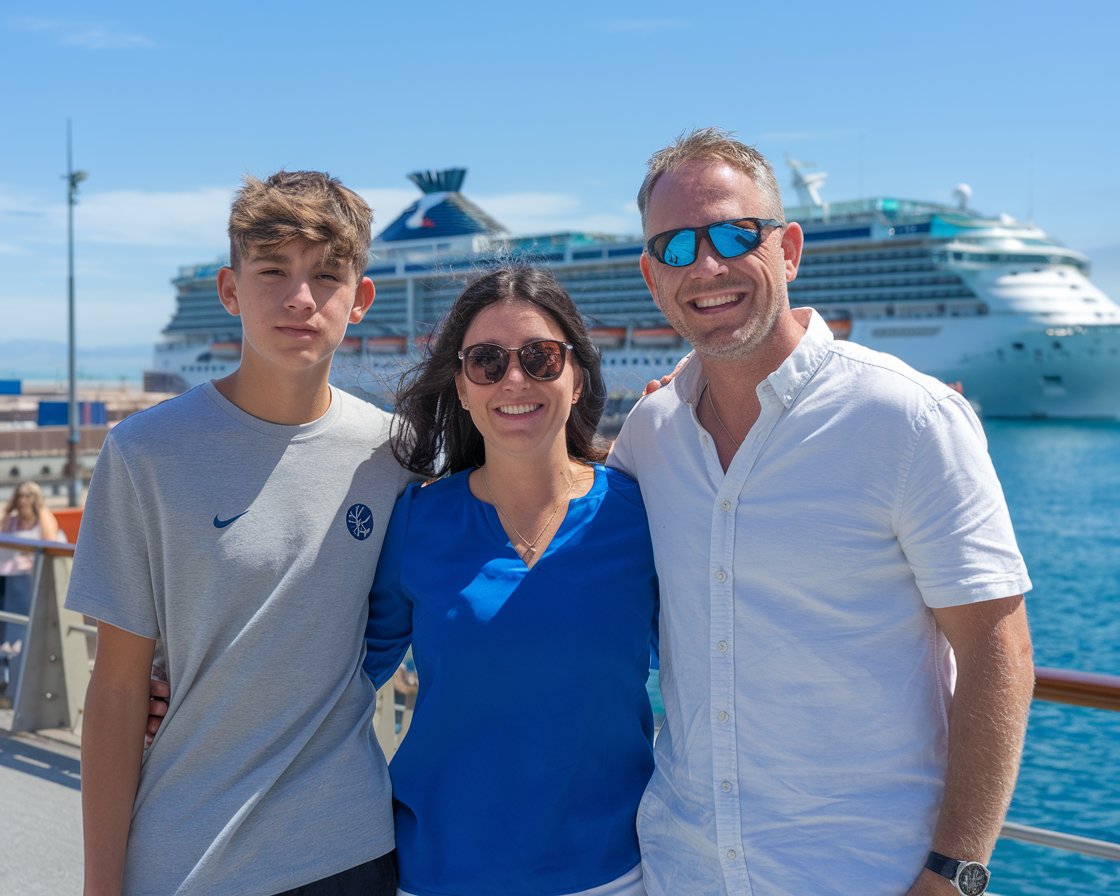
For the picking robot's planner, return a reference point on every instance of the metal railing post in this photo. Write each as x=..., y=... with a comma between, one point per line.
x=55, y=661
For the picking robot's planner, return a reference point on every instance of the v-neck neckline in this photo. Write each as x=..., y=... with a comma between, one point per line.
x=494, y=521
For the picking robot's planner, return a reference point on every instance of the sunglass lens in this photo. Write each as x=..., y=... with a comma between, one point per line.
x=486, y=364
x=542, y=360
x=678, y=249
x=735, y=239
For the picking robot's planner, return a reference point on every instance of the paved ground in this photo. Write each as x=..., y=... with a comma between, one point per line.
x=40, y=813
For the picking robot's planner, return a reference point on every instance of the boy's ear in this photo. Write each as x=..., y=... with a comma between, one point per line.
x=363, y=298
x=227, y=290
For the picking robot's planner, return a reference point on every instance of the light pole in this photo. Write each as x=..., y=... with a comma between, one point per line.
x=73, y=178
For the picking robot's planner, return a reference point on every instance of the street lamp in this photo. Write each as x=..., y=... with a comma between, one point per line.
x=73, y=178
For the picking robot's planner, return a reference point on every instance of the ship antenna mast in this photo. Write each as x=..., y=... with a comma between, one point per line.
x=807, y=183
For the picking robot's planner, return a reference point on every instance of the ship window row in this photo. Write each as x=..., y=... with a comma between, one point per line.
x=210, y=312
x=1014, y=258
x=202, y=322
x=589, y=280
x=846, y=233
x=875, y=282
x=225, y=323
x=843, y=271
x=876, y=255
x=885, y=295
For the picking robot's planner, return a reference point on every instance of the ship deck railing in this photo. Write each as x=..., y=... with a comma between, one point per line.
x=59, y=644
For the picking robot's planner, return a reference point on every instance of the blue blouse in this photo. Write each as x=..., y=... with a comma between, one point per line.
x=530, y=745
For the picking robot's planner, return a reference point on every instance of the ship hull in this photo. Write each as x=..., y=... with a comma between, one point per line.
x=1009, y=367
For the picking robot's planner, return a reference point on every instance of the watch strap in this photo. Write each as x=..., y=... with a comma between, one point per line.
x=942, y=865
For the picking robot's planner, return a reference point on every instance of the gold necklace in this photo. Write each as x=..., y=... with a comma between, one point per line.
x=530, y=546
x=712, y=405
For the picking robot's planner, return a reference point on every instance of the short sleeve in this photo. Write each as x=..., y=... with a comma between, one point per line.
x=389, y=626
x=952, y=520
x=111, y=578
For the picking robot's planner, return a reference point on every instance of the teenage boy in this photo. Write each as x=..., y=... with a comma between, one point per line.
x=238, y=527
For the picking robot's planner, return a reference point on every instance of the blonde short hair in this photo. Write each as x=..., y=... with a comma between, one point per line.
x=713, y=144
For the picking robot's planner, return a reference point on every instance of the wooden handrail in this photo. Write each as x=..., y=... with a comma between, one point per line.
x=1078, y=688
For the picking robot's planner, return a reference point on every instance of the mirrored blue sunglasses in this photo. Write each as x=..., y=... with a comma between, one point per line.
x=730, y=239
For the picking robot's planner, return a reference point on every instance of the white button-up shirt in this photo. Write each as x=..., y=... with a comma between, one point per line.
x=806, y=686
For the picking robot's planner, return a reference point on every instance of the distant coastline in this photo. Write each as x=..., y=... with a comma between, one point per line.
x=44, y=362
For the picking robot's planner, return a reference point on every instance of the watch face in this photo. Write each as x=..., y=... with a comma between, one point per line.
x=973, y=879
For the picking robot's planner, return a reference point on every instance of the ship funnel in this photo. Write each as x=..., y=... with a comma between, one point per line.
x=447, y=181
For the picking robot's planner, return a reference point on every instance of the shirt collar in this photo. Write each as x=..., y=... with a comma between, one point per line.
x=788, y=380
x=805, y=360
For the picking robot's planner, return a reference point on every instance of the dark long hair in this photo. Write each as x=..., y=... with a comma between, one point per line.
x=432, y=434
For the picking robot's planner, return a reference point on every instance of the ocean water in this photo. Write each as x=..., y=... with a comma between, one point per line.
x=1062, y=482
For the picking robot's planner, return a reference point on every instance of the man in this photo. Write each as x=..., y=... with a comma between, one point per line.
x=238, y=526
x=829, y=535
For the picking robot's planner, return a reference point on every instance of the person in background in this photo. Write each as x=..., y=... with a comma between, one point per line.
x=238, y=526
x=523, y=578
x=26, y=515
x=845, y=658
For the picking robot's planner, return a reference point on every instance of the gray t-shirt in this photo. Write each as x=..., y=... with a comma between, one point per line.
x=248, y=549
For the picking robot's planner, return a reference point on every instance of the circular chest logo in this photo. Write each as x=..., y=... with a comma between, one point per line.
x=359, y=520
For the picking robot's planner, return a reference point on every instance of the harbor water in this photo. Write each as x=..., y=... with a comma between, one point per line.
x=1062, y=482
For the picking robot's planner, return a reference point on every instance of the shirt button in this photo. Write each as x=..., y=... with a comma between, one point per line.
x=722, y=647
x=731, y=853
x=721, y=576
x=725, y=787
x=725, y=506
x=722, y=715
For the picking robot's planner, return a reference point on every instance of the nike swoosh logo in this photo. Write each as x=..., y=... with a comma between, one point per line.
x=221, y=524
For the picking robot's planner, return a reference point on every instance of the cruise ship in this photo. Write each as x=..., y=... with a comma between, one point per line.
x=990, y=302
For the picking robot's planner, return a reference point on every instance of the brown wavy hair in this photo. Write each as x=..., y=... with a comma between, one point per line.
x=433, y=435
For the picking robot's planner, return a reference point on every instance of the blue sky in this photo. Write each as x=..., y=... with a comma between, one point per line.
x=553, y=108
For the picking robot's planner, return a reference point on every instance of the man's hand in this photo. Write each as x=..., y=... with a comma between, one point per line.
x=158, y=699
x=654, y=385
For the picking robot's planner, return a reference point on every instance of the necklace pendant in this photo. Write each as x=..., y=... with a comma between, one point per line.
x=527, y=554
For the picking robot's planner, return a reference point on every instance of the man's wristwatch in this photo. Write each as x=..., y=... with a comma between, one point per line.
x=970, y=878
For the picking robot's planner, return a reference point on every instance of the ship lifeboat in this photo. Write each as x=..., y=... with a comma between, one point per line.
x=656, y=337
x=386, y=345
x=225, y=350
x=841, y=327
x=607, y=337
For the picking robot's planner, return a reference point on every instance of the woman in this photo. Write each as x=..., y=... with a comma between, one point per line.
x=25, y=516
x=523, y=579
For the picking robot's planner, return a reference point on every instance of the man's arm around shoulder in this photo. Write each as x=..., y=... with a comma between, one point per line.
x=987, y=724
x=116, y=712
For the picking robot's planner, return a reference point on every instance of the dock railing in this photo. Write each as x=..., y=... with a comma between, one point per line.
x=54, y=664
x=57, y=658
x=59, y=644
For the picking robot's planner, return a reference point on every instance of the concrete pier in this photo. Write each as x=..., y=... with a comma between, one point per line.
x=40, y=812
